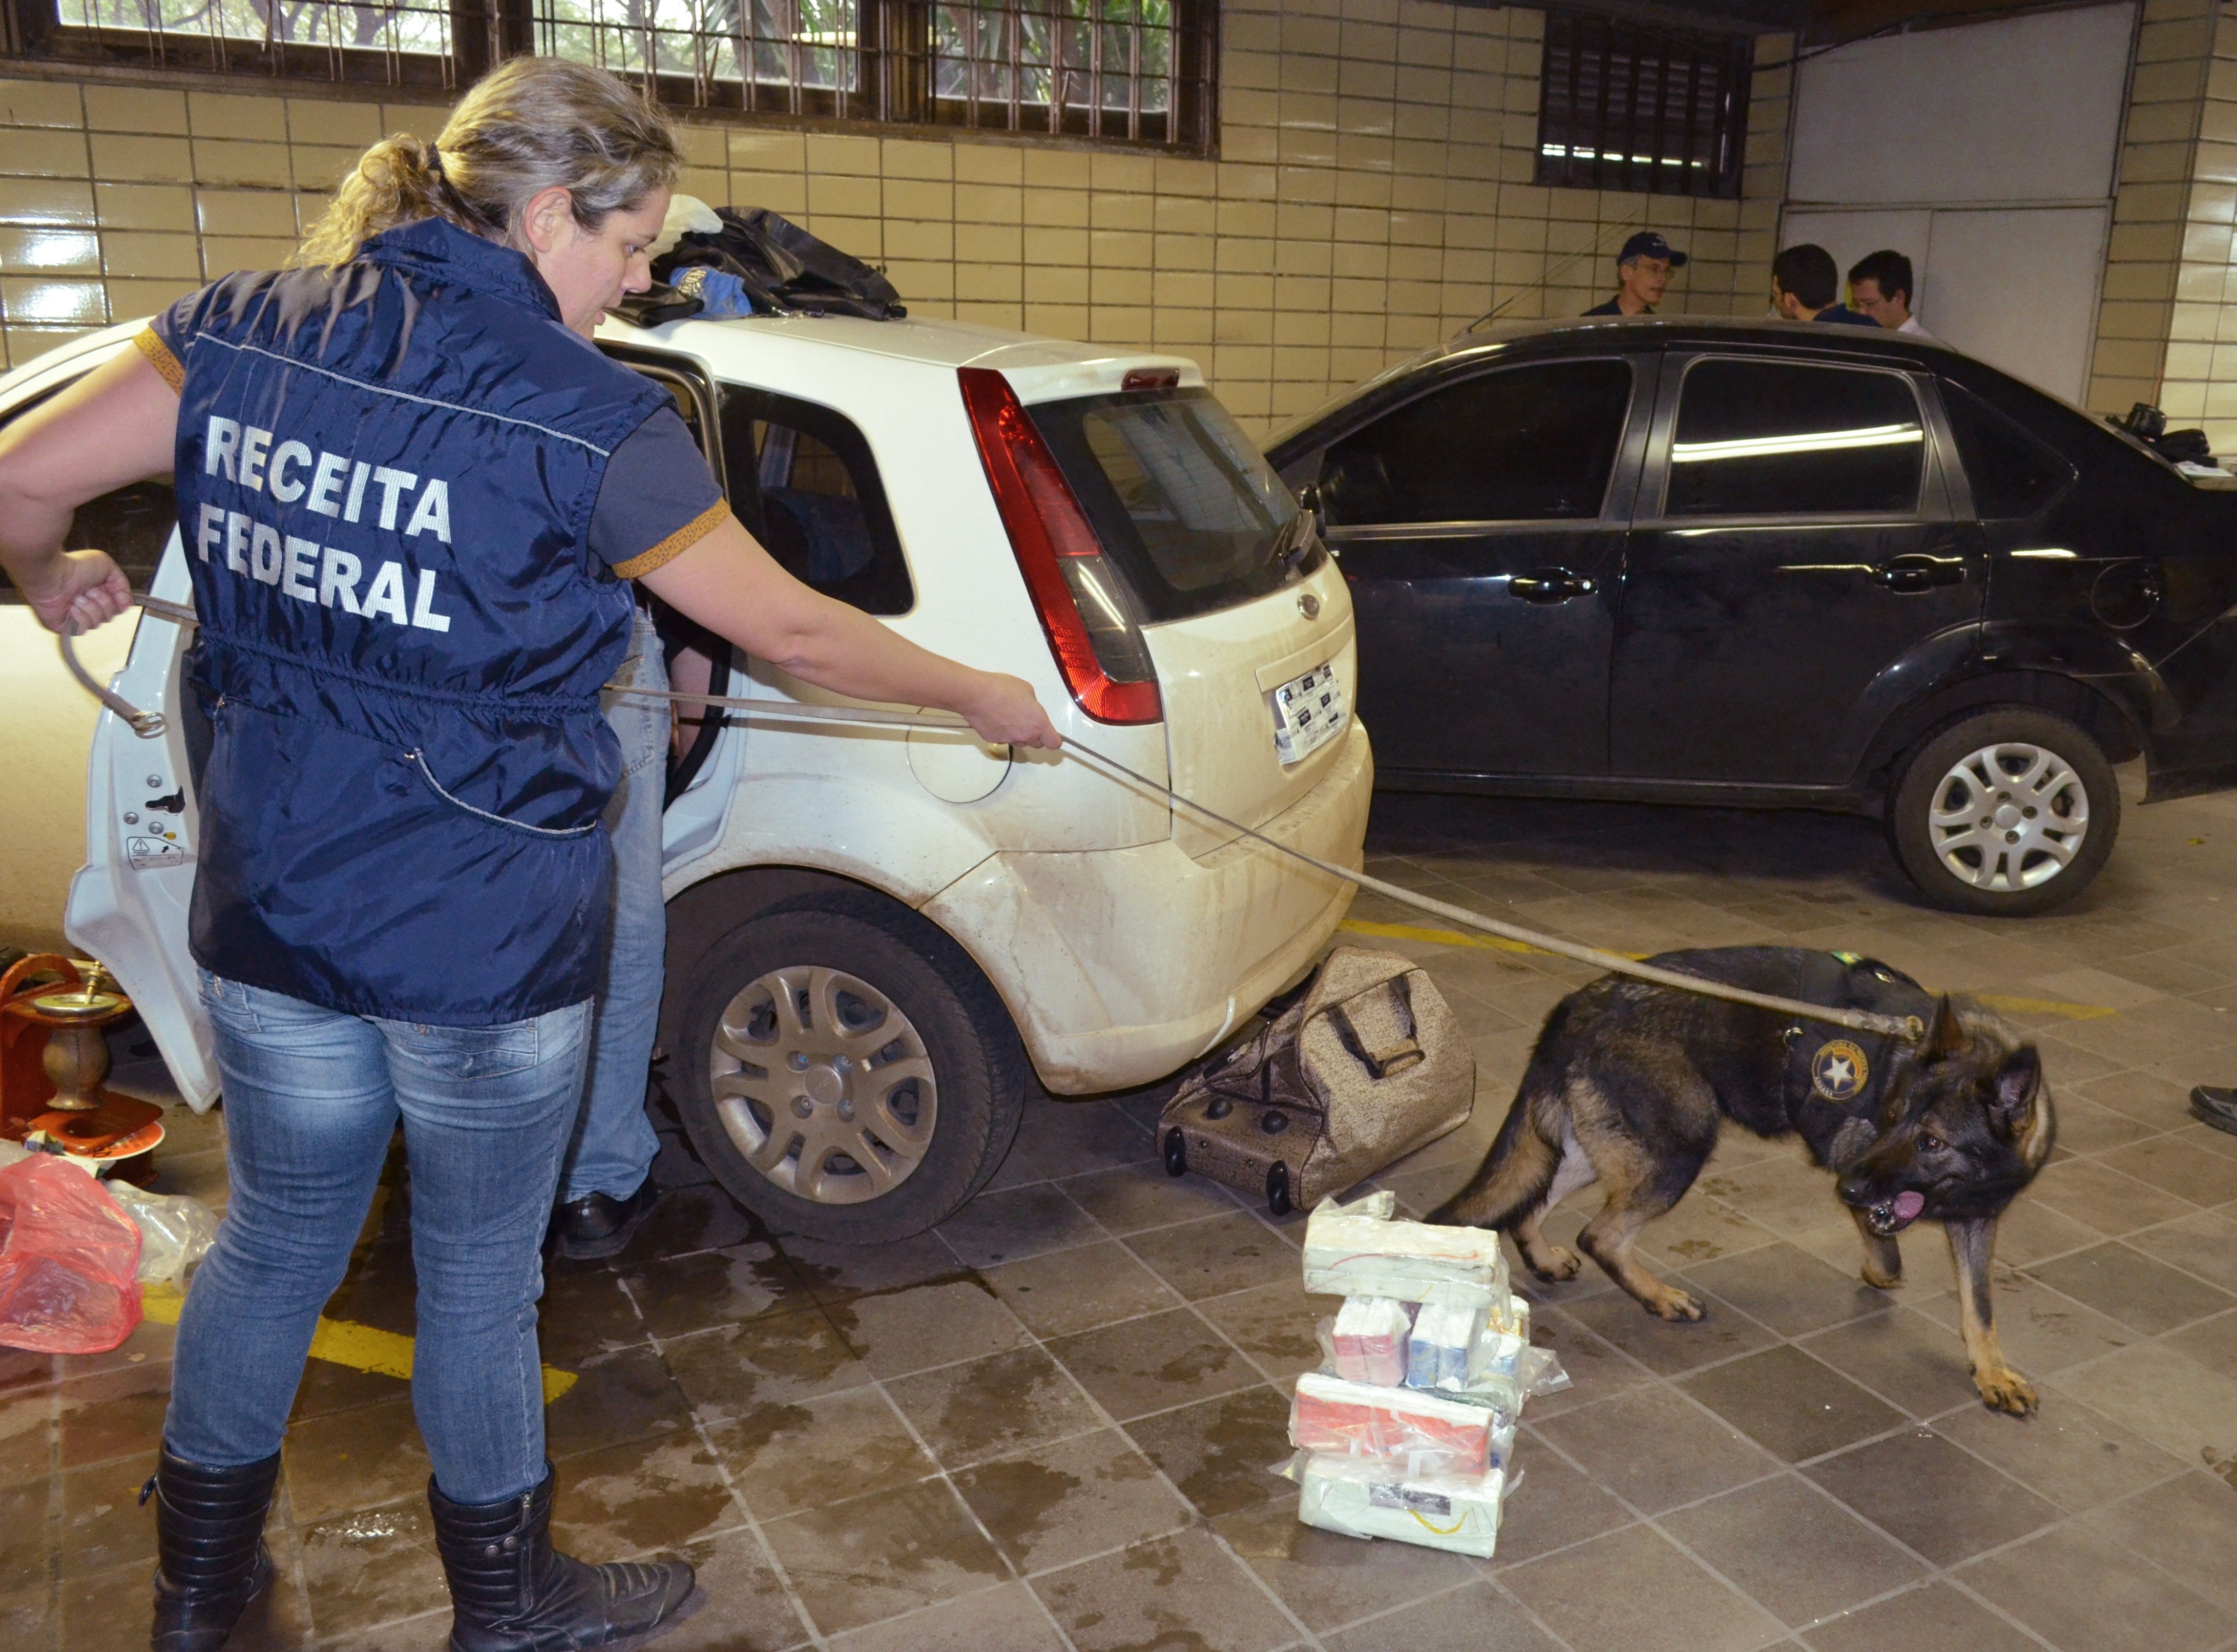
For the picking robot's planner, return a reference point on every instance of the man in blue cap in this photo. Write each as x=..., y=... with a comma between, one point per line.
x=1642, y=270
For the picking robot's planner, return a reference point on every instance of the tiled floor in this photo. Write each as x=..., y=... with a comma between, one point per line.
x=1050, y=1423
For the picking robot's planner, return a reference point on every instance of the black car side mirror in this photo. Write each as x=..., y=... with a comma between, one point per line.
x=1309, y=503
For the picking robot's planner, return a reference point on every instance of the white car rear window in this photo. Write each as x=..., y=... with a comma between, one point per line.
x=1180, y=496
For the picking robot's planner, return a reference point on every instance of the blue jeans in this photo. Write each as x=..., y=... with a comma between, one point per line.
x=614, y=1142
x=312, y=1097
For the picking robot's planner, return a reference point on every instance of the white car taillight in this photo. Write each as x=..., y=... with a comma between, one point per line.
x=1082, y=600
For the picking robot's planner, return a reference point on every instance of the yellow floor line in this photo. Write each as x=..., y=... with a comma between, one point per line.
x=2003, y=1005
x=339, y=1342
x=1998, y=1001
x=1434, y=937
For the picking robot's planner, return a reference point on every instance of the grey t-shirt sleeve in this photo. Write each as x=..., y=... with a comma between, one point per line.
x=657, y=498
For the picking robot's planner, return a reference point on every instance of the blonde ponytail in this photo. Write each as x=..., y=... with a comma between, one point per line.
x=531, y=124
x=391, y=184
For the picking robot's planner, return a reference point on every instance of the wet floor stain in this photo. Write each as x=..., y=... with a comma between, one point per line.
x=647, y=1495
x=1015, y=1496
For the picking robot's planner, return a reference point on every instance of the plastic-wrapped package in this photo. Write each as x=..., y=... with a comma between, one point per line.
x=1351, y=1250
x=1442, y=1351
x=1512, y=1316
x=68, y=1261
x=1370, y=1341
x=1539, y=1372
x=174, y=1230
x=1363, y=1499
x=1421, y=1433
x=1497, y=1353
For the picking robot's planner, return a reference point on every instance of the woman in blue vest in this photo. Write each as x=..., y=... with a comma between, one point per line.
x=412, y=497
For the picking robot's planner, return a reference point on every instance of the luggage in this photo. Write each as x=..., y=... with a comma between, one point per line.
x=782, y=269
x=1368, y=1065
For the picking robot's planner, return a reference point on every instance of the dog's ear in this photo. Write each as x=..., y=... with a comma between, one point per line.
x=2016, y=1091
x=1946, y=1036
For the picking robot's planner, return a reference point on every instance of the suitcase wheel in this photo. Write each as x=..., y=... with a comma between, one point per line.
x=1273, y=1121
x=1176, y=1152
x=1277, y=1189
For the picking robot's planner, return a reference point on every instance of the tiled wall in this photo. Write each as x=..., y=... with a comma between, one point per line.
x=2146, y=246
x=1372, y=195
x=2167, y=331
x=2198, y=380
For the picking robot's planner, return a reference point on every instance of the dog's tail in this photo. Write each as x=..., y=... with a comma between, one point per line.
x=1517, y=1172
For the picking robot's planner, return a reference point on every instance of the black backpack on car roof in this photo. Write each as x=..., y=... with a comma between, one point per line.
x=784, y=269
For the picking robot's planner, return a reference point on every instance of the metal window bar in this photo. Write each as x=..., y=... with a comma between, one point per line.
x=387, y=43
x=1627, y=106
x=1139, y=71
x=1102, y=68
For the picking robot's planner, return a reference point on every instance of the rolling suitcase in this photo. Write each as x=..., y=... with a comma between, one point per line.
x=1368, y=1065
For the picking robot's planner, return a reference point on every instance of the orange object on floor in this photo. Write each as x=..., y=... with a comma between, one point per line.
x=53, y=1060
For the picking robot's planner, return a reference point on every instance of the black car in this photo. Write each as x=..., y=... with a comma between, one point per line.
x=1764, y=562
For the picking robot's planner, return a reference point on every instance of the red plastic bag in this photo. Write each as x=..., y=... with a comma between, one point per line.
x=68, y=1261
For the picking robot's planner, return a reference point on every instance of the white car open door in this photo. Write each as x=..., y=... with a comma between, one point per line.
x=127, y=904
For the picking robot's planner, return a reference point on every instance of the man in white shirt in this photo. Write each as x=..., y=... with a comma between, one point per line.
x=1880, y=287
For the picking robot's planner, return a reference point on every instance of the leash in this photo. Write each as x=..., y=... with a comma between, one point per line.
x=1908, y=1028
x=146, y=724
x=1904, y=1027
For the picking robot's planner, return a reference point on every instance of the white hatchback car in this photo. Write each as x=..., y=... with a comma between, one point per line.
x=878, y=935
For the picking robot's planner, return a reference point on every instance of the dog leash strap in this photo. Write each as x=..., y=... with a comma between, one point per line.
x=1902, y=1027
x=150, y=724
x=146, y=724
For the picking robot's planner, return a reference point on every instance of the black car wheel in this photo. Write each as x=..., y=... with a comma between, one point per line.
x=848, y=1074
x=2005, y=811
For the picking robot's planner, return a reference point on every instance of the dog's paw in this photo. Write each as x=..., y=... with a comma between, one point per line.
x=1558, y=1262
x=2006, y=1390
x=1880, y=1281
x=1677, y=1307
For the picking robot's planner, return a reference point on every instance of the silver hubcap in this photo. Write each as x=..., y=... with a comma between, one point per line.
x=824, y=1085
x=2008, y=817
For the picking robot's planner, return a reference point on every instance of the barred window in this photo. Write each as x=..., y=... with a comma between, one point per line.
x=1096, y=68
x=424, y=28
x=409, y=42
x=782, y=56
x=1134, y=71
x=1628, y=106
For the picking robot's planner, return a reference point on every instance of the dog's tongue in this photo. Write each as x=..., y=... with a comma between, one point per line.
x=1907, y=1207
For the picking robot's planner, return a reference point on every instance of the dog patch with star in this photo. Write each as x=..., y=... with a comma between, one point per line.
x=1839, y=1070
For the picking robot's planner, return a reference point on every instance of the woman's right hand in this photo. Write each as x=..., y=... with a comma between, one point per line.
x=1006, y=713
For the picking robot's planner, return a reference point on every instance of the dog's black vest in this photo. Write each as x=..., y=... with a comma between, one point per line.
x=1835, y=1078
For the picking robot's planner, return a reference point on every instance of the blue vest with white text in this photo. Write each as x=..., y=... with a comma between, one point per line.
x=385, y=477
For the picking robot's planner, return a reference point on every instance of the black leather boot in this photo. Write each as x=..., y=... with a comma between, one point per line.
x=210, y=1558
x=511, y=1591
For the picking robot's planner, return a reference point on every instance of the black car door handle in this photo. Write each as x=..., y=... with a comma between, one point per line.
x=1915, y=573
x=1551, y=585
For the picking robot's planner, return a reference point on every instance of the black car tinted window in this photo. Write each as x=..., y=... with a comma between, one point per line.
x=2010, y=473
x=1520, y=445
x=1793, y=439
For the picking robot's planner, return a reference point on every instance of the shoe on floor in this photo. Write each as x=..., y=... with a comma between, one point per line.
x=2215, y=1106
x=598, y=1224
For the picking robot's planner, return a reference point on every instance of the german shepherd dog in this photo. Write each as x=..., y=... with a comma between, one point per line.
x=1629, y=1083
